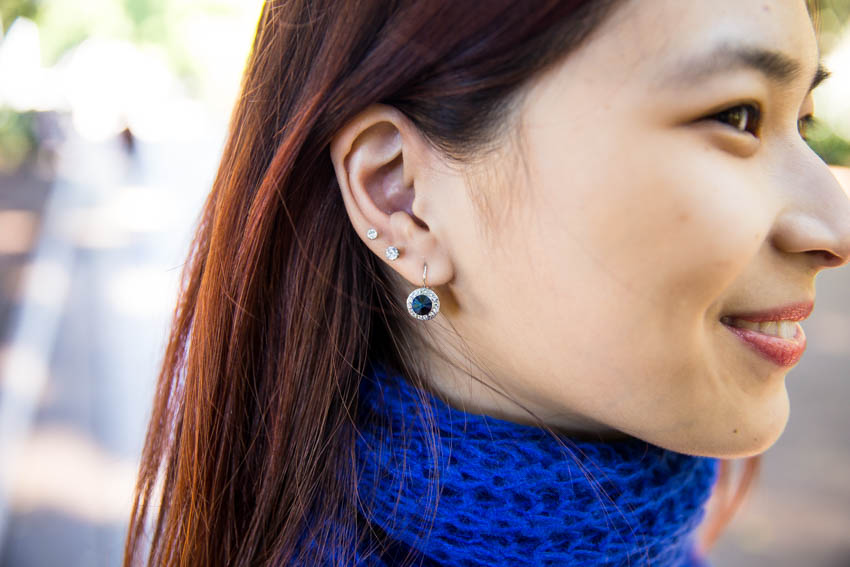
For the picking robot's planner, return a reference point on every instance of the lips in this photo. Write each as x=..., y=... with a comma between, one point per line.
x=783, y=352
x=791, y=312
x=769, y=332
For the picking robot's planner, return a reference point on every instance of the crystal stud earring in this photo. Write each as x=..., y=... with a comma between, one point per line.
x=371, y=234
x=423, y=303
x=391, y=252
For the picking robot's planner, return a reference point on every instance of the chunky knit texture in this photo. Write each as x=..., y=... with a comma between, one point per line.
x=511, y=494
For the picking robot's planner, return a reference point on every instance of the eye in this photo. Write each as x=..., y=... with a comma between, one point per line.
x=743, y=117
x=803, y=125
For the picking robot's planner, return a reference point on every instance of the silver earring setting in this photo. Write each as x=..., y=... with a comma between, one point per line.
x=423, y=303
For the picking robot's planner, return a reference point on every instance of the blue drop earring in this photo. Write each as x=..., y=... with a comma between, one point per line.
x=422, y=303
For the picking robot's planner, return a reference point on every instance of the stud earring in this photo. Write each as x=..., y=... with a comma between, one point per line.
x=391, y=252
x=423, y=303
x=371, y=234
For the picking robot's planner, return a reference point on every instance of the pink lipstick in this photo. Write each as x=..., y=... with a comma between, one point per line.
x=784, y=352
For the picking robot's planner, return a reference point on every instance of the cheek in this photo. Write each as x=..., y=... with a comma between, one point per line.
x=672, y=223
x=627, y=258
x=610, y=264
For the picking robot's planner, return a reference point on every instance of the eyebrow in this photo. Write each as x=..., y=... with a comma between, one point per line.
x=775, y=65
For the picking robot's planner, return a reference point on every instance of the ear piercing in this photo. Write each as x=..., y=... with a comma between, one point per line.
x=422, y=303
x=391, y=252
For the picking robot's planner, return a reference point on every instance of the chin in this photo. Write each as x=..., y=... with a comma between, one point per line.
x=753, y=432
x=760, y=431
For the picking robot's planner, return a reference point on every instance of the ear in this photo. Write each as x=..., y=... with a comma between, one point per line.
x=382, y=164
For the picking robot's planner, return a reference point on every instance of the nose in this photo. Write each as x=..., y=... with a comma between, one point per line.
x=816, y=221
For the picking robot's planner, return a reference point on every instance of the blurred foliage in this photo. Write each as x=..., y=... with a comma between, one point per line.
x=63, y=24
x=198, y=39
x=11, y=9
x=832, y=16
x=832, y=22
x=188, y=31
x=17, y=138
x=831, y=147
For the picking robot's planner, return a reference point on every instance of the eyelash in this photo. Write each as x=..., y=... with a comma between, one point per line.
x=754, y=114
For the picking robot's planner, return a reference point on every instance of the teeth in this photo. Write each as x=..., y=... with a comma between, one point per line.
x=782, y=329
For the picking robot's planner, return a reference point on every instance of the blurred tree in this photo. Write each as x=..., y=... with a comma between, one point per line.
x=17, y=138
x=833, y=26
x=831, y=147
x=832, y=19
x=198, y=36
x=11, y=9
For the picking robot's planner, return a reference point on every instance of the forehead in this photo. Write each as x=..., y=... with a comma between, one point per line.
x=654, y=37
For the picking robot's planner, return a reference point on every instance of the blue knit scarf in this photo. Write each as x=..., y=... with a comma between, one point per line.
x=511, y=494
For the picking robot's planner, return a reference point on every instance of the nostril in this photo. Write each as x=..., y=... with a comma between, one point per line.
x=827, y=258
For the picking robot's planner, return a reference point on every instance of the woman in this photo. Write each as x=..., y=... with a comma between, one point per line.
x=491, y=283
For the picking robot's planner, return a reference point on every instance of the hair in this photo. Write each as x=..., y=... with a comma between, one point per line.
x=250, y=444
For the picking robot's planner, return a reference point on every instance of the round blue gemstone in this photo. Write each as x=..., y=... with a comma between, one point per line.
x=421, y=304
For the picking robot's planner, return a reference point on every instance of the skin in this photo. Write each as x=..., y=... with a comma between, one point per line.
x=623, y=223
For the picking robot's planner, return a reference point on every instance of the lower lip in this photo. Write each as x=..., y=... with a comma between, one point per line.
x=783, y=352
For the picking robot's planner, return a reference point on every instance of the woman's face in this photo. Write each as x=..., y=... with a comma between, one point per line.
x=626, y=222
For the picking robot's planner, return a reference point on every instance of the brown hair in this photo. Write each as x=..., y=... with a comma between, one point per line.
x=250, y=443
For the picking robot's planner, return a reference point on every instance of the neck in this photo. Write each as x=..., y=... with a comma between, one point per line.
x=488, y=393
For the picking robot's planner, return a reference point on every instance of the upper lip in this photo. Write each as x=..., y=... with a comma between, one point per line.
x=792, y=312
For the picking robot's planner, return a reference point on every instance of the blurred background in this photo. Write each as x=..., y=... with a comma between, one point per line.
x=112, y=119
